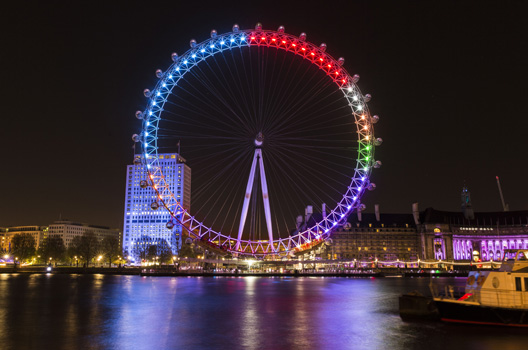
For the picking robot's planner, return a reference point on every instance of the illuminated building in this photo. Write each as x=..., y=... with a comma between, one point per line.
x=452, y=236
x=68, y=230
x=375, y=236
x=3, y=231
x=38, y=233
x=144, y=225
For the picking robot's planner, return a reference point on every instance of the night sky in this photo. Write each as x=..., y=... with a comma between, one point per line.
x=447, y=79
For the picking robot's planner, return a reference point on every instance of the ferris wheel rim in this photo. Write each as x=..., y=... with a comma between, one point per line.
x=199, y=52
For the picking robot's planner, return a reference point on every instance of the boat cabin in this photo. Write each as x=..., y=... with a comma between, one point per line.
x=506, y=288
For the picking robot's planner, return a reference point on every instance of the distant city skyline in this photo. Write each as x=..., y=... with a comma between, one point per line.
x=446, y=80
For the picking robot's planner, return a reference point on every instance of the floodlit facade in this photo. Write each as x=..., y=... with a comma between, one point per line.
x=144, y=225
x=38, y=233
x=68, y=230
x=382, y=237
x=481, y=237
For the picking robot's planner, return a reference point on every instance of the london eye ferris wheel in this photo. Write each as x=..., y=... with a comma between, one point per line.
x=270, y=124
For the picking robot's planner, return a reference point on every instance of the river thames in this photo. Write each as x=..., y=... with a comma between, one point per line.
x=131, y=312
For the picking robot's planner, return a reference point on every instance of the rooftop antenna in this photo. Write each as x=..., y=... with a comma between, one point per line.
x=504, y=205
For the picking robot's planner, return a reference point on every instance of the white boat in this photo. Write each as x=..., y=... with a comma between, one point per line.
x=490, y=297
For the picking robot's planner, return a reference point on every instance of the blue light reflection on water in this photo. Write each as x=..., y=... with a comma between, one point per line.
x=130, y=312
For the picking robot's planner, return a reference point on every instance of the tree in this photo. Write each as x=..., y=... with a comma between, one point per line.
x=148, y=248
x=86, y=246
x=52, y=247
x=71, y=254
x=163, y=251
x=23, y=246
x=187, y=251
x=110, y=248
x=140, y=248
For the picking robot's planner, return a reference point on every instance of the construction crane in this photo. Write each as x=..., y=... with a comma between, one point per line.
x=504, y=205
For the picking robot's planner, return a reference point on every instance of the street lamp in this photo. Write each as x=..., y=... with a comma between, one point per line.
x=99, y=258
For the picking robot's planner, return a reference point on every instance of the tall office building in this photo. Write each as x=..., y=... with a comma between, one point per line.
x=144, y=226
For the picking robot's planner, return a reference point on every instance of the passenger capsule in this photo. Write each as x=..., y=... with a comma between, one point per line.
x=143, y=184
x=341, y=61
x=236, y=28
x=154, y=206
x=302, y=37
x=258, y=26
x=147, y=93
x=137, y=160
x=174, y=57
x=214, y=34
x=192, y=43
x=378, y=141
x=367, y=97
x=377, y=164
x=170, y=225
x=375, y=119
x=355, y=78
x=362, y=207
x=159, y=73
x=371, y=186
x=322, y=47
x=135, y=138
x=281, y=29
x=139, y=114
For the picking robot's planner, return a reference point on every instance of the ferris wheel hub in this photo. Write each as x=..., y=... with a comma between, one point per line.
x=259, y=140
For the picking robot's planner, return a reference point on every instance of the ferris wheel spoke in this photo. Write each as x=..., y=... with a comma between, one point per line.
x=298, y=182
x=292, y=92
x=299, y=94
x=298, y=151
x=216, y=107
x=304, y=166
x=239, y=86
x=218, y=193
x=218, y=182
x=190, y=124
x=315, y=117
x=197, y=110
x=217, y=92
x=308, y=113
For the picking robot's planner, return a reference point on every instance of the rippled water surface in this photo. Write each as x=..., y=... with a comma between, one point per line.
x=131, y=312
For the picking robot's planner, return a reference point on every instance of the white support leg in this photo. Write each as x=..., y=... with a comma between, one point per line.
x=245, y=207
x=265, y=197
